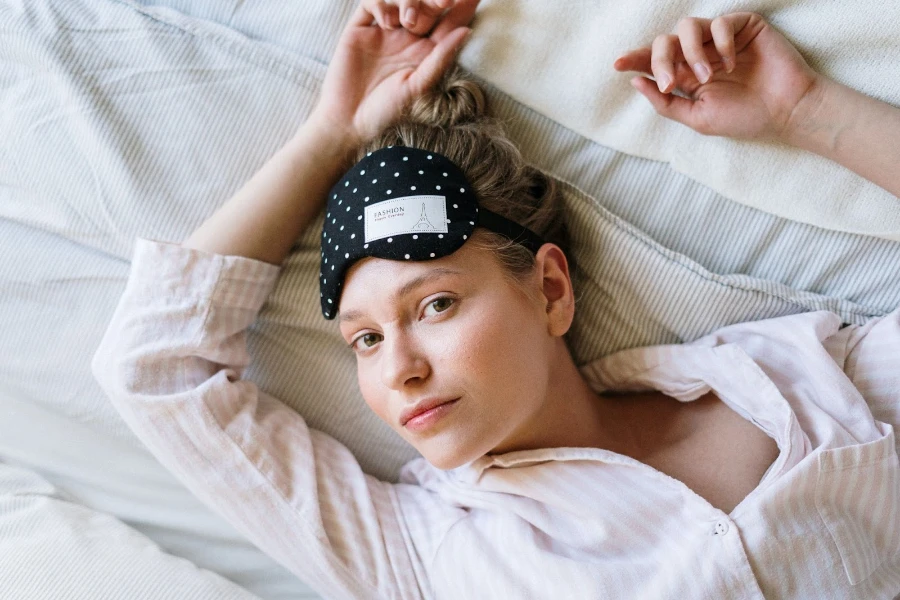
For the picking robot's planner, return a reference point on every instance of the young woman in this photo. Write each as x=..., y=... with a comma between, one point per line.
x=757, y=462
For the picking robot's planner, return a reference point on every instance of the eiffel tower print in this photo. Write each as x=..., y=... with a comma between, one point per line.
x=423, y=224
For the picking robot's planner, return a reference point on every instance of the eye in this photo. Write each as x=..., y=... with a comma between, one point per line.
x=439, y=305
x=365, y=341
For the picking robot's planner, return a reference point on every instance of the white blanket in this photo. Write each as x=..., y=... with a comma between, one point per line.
x=557, y=58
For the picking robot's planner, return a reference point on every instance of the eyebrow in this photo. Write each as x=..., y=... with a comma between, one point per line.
x=405, y=289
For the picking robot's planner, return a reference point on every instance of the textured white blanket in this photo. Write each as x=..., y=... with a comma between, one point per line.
x=556, y=57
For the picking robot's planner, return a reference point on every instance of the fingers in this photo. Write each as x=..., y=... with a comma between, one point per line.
x=692, y=33
x=664, y=54
x=438, y=60
x=669, y=105
x=722, y=30
x=385, y=14
x=416, y=16
x=419, y=16
x=702, y=45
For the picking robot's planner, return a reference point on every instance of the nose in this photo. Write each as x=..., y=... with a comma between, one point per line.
x=402, y=362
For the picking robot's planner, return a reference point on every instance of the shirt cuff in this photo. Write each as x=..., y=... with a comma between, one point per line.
x=179, y=272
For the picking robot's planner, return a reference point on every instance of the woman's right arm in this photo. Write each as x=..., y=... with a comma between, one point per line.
x=743, y=79
x=374, y=74
x=173, y=356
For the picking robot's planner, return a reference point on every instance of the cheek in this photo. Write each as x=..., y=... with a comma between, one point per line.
x=373, y=393
x=501, y=346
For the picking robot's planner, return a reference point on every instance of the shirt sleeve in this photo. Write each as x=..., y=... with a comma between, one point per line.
x=870, y=356
x=171, y=363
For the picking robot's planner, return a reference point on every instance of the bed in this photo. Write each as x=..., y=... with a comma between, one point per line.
x=125, y=118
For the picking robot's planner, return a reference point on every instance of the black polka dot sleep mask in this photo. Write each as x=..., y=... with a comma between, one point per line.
x=401, y=203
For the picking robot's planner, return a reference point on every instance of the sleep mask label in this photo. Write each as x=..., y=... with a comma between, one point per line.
x=411, y=214
x=401, y=203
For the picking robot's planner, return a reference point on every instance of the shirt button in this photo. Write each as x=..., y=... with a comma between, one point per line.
x=721, y=528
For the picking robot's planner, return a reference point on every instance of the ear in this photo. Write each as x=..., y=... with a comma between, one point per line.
x=556, y=286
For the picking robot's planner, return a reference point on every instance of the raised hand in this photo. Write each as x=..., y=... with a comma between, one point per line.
x=383, y=61
x=740, y=76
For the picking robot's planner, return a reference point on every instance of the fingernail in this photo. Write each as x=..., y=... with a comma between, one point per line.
x=411, y=16
x=663, y=82
x=701, y=72
x=726, y=61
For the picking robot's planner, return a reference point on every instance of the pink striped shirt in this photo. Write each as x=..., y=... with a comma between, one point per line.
x=824, y=522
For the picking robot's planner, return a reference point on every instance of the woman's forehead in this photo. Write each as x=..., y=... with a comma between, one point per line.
x=379, y=279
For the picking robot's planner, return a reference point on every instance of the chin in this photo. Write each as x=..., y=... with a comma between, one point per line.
x=446, y=461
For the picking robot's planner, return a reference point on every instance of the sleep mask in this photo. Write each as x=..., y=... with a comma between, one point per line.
x=402, y=203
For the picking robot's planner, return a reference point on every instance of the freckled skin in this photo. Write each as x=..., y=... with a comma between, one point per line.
x=492, y=347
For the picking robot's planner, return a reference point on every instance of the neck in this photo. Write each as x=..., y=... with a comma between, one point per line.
x=572, y=414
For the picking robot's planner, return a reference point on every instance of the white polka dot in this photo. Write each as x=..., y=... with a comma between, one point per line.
x=340, y=202
x=354, y=190
x=389, y=192
x=325, y=281
x=352, y=235
x=456, y=206
x=396, y=174
x=406, y=256
x=471, y=222
x=463, y=190
x=332, y=267
x=328, y=216
x=421, y=172
x=329, y=240
x=342, y=227
x=428, y=157
x=413, y=188
x=369, y=154
x=366, y=199
x=348, y=209
x=441, y=235
x=346, y=183
x=405, y=158
x=432, y=255
x=382, y=164
x=465, y=237
x=321, y=294
x=374, y=181
x=448, y=220
x=333, y=221
x=363, y=172
x=326, y=261
x=347, y=255
x=415, y=237
x=337, y=246
x=365, y=246
x=359, y=218
x=445, y=174
x=329, y=302
x=390, y=240
x=437, y=186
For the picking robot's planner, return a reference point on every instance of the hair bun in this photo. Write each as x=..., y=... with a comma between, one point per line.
x=454, y=100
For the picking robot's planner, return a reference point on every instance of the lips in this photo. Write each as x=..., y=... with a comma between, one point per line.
x=420, y=407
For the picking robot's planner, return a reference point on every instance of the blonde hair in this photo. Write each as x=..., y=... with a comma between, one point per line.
x=453, y=120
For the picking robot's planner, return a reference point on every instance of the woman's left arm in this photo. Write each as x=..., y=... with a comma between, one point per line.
x=743, y=79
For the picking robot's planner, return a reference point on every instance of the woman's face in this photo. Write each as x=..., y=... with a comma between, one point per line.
x=455, y=328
